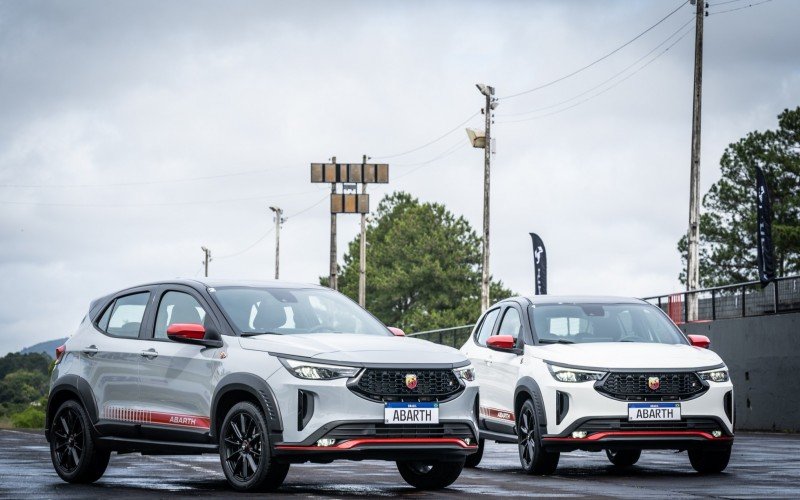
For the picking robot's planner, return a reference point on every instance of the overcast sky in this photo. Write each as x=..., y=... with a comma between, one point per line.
x=132, y=133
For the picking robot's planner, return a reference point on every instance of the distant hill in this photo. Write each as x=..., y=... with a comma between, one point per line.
x=48, y=347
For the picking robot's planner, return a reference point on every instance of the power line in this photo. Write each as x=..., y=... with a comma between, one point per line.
x=717, y=4
x=386, y=157
x=263, y=236
x=562, y=78
x=607, y=88
x=149, y=204
x=738, y=8
x=145, y=183
x=604, y=81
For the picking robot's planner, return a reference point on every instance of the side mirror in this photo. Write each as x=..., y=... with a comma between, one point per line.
x=700, y=341
x=501, y=343
x=396, y=331
x=191, y=333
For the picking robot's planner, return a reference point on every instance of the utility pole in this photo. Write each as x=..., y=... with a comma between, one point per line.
x=692, y=257
x=278, y=222
x=491, y=103
x=362, y=264
x=333, y=270
x=206, y=258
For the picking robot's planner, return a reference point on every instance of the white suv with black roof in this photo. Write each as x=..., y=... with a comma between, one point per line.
x=601, y=374
x=265, y=374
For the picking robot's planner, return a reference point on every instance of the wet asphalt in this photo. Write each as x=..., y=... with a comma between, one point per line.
x=762, y=466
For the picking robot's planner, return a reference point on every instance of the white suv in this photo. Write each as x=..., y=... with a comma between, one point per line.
x=266, y=375
x=598, y=373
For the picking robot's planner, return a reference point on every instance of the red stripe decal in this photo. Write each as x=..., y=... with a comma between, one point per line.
x=357, y=443
x=602, y=435
x=497, y=413
x=154, y=417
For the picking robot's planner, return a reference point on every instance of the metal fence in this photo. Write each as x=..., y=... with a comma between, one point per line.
x=454, y=336
x=734, y=301
x=724, y=302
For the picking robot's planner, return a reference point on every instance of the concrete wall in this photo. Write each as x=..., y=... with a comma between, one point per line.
x=763, y=354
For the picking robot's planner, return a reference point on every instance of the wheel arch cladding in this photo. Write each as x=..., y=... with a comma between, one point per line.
x=66, y=388
x=238, y=387
x=527, y=388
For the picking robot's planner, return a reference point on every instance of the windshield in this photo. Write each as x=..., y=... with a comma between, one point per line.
x=290, y=311
x=581, y=323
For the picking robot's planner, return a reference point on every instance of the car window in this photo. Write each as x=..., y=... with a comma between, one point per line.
x=587, y=322
x=288, y=311
x=124, y=317
x=487, y=326
x=511, y=323
x=177, y=307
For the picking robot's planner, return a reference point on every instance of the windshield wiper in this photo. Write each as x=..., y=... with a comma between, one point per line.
x=253, y=334
x=554, y=341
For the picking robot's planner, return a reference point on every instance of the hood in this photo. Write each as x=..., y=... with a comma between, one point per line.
x=627, y=355
x=357, y=349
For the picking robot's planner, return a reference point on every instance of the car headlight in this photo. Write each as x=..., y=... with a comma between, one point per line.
x=466, y=373
x=318, y=371
x=563, y=374
x=719, y=375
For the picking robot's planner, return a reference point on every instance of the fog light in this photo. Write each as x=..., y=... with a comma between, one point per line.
x=326, y=442
x=579, y=434
x=716, y=434
x=468, y=441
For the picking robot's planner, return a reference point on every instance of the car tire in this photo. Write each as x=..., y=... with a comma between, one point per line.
x=73, y=450
x=244, y=450
x=533, y=458
x=474, y=459
x=707, y=461
x=623, y=458
x=430, y=475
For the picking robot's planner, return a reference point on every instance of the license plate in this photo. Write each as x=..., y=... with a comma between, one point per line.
x=654, y=411
x=411, y=413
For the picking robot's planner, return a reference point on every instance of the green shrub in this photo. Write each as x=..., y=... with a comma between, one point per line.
x=29, y=418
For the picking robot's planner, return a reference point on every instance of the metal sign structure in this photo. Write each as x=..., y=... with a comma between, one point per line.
x=350, y=175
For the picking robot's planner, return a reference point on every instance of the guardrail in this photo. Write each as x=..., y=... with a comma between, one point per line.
x=734, y=301
x=454, y=336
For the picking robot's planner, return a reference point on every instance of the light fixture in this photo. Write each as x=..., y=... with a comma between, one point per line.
x=579, y=434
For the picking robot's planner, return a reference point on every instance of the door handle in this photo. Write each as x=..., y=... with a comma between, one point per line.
x=150, y=353
x=91, y=350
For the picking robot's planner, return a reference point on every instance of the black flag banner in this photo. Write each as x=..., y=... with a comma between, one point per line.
x=766, y=249
x=539, y=265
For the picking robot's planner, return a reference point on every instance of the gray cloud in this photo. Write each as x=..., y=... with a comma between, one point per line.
x=136, y=93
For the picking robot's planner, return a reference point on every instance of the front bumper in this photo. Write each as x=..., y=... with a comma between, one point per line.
x=706, y=420
x=313, y=409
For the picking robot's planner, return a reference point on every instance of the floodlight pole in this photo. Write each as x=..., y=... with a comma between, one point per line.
x=362, y=264
x=693, y=236
x=487, y=160
x=278, y=222
x=333, y=271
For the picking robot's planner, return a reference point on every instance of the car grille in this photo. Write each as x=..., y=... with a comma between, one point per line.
x=674, y=386
x=390, y=385
x=369, y=430
x=619, y=424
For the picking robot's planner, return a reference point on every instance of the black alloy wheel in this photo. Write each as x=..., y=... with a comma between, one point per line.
x=72, y=448
x=244, y=451
x=533, y=458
